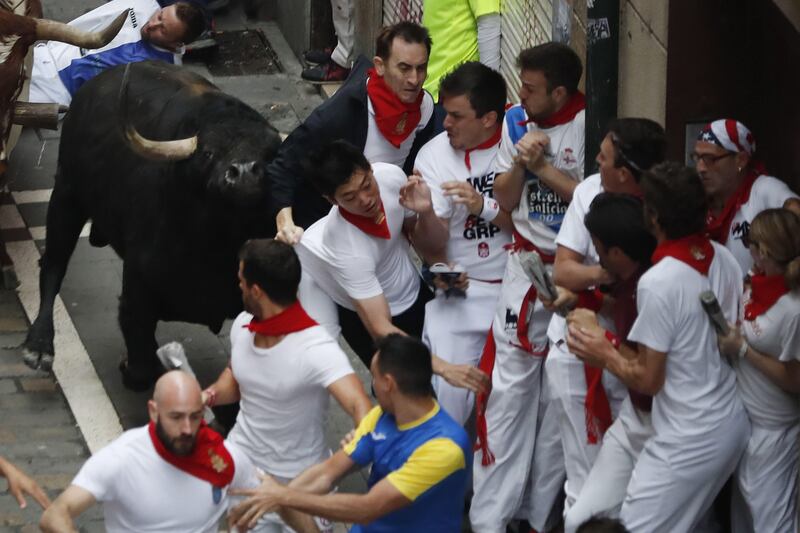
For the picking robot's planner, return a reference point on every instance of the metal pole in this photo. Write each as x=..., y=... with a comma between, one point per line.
x=602, y=72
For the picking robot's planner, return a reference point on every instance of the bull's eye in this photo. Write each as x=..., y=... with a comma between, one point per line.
x=208, y=155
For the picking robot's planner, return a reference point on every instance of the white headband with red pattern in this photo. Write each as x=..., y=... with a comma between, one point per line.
x=730, y=134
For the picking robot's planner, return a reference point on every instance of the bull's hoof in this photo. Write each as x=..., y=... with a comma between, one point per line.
x=37, y=360
x=138, y=381
x=46, y=362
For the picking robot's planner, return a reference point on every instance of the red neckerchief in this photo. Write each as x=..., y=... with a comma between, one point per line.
x=209, y=461
x=290, y=320
x=764, y=292
x=694, y=250
x=719, y=227
x=625, y=313
x=395, y=119
x=574, y=105
x=377, y=228
x=491, y=141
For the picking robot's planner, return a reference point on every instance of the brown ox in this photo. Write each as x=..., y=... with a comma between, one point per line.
x=20, y=26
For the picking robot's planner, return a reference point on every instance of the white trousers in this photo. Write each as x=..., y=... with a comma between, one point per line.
x=567, y=381
x=606, y=485
x=677, y=477
x=528, y=468
x=344, y=25
x=767, y=477
x=455, y=329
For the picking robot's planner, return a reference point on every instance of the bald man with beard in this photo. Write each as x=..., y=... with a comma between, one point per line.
x=170, y=475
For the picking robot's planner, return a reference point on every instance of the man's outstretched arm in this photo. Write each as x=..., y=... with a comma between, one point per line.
x=60, y=516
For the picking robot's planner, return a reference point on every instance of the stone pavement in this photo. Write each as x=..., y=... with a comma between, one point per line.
x=37, y=431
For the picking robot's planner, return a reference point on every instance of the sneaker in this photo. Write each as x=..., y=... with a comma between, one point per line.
x=330, y=72
x=318, y=57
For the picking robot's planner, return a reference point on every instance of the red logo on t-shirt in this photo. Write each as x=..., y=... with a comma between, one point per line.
x=483, y=249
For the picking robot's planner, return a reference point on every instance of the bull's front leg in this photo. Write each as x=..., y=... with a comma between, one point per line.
x=138, y=320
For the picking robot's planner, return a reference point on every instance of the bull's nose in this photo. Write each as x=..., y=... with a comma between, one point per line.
x=237, y=170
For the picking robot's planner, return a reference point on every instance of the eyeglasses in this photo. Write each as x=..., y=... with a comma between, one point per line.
x=709, y=159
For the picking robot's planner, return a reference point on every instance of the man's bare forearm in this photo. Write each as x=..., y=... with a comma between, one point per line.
x=561, y=184
x=508, y=187
x=226, y=388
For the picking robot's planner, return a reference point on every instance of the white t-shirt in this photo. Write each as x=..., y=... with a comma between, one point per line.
x=349, y=264
x=540, y=211
x=284, y=396
x=775, y=333
x=699, y=391
x=141, y=492
x=767, y=193
x=574, y=235
x=378, y=150
x=475, y=244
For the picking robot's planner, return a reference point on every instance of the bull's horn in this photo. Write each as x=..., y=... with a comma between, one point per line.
x=49, y=30
x=160, y=150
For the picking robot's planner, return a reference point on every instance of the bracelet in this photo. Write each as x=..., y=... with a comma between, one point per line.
x=613, y=339
x=211, y=396
x=743, y=349
x=490, y=209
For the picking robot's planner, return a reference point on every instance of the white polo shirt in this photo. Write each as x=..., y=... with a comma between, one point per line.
x=767, y=193
x=699, y=391
x=540, y=211
x=141, y=492
x=284, y=397
x=349, y=264
x=475, y=244
x=378, y=150
x=775, y=333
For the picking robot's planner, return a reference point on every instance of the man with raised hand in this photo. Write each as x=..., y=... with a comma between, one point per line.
x=519, y=468
x=358, y=278
x=469, y=229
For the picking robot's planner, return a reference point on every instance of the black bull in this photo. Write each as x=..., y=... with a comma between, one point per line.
x=177, y=223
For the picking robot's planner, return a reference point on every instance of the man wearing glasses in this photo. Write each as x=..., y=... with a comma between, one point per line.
x=736, y=185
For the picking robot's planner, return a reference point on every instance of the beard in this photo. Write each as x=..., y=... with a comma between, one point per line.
x=182, y=445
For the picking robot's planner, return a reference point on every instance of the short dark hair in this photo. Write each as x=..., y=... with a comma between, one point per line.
x=333, y=166
x=639, y=143
x=484, y=88
x=602, y=525
x=193, y=17
x=410, y=32
x=617, y=220
x=558, y=62
x=408, y=361
x=674, y=194
x=273, y=266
